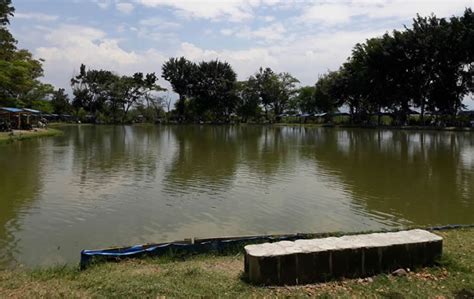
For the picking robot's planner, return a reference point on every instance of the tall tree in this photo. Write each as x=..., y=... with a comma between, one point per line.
x=181, y=73
x=60, y=102
x=19, y=70
x=327, y=94
x=275, y=90
x=248, y=102
x=305, y=99
x=214, y=90
x=7, y=42
x=287, y=90
x=102, y=91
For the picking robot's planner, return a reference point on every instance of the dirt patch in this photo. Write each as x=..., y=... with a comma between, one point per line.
x=230, y=266
x=144, y=270
x=136, y=267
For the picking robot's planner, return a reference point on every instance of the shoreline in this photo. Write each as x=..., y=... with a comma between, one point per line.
x=212, y=275
x=20, y=135
x=304, y=125
x=383, y=127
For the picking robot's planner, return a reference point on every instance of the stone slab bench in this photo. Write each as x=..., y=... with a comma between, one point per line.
x=318, y=260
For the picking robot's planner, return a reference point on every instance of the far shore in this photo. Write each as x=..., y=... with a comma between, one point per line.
x=53, y=130
x=388, y=127
x=288, y=124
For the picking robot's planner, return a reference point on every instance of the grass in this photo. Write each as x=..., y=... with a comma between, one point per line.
x=220, y=276
x=8, y=137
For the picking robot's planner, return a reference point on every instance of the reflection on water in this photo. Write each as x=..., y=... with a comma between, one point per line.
x=100, y=186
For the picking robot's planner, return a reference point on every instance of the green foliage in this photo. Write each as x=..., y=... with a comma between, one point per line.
x=325, y=93
x=214, y=89
x=305, y=100
x=429, y=66
x=108, y=96
x=275, y=91
x=19, y=71
x=248, y=100
x=181, y=73
x=207, y=91
x=6, y=11
x=80, y=114
x=60, y=102
x=42, y=105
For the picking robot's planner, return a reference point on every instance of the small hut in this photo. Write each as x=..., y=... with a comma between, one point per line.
x=32, y=118
x=12, y=117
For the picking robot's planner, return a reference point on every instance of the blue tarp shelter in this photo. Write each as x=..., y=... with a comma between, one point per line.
x=32, y=110
x=15, y=117
x=11, y=110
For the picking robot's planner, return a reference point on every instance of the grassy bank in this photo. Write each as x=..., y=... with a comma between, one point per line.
x=212, y=276
x=17, y=135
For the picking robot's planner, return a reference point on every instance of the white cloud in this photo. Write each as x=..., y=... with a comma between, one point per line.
x=306, y=57
x=244, y=62
x=102, y=3
x=227, y=31
x=69, y=46
x=204, y=9
x=124, y=7
x=268, y=18
x=269, y=33
x=340, y=12
x=232, y=10
x=328, y=13
x=160, y=23
x=265, y=34
x=40, y=17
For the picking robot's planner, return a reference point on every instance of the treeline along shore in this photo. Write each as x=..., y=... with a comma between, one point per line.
x=420, y=75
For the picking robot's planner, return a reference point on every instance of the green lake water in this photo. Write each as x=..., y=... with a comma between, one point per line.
x=102, y=186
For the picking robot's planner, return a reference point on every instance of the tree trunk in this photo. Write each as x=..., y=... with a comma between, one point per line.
x=351, y=111
x=379, y=120
x=422, y=114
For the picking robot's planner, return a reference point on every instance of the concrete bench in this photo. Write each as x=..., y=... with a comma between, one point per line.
x=317, y=260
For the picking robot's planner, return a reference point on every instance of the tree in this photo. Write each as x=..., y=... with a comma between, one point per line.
x=137, y=88
x=305, y=99
x=248, y=100
x=102, y=91
x=428, y=66
x=7, y=42
x=6, y=11
x=453, y=69
x=266, y=82
x=93, y=88
x=326, y=97
x=60, y=102
x=274, y=90
x=287, y=90
x=214, y=90
x=19, y=71
x=181, y=73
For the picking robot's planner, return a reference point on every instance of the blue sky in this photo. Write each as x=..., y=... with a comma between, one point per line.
x=305, y=38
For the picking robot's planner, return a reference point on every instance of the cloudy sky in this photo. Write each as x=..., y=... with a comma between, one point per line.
x=305, y=38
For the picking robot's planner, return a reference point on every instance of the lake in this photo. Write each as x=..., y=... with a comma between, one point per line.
x=102, y=186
